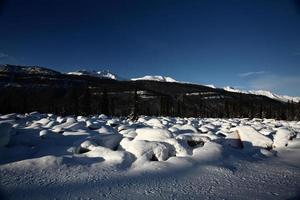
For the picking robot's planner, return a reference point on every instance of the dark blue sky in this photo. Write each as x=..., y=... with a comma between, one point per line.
x=248, y=44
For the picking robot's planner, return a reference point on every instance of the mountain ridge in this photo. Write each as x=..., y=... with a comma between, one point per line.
x=106, y=74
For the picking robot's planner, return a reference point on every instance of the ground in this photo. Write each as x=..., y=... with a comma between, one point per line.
x=153, y=158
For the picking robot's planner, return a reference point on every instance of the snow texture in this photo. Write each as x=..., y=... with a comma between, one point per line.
x=155, y=78
x=44, y=156
x=284, y=98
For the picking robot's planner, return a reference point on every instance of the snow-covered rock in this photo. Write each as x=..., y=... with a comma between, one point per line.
x=152, y=134
x=187, y=128
x=107, y=140
x=105, y=129
x=154, y=122
x=252, y=138
x=282, y=137
x=147, y=150
x=193, y=140
x=110, y=156
x=233, y=139
x=44, y=133
x=93, y=125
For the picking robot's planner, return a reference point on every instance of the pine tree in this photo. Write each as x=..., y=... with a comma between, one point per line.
x=134, y=115
x=85, y=102
x=105, y=103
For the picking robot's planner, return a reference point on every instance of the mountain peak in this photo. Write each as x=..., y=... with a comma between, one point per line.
x=155, y=78
x=105, y=74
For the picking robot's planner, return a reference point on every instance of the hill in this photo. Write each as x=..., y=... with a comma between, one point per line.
x=26, y=89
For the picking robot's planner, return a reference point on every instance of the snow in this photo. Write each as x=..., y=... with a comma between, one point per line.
x=105, y=74
x=295, y=143
x=147, y=150
x=252, y=138
x=152, y=134
x=111, y=140
x=282, y=137
x=283, y=98
x=233, y=139
x=27, y=69
x=155, y=78
x=54, y=157
x=211, y=86
x=5, y=131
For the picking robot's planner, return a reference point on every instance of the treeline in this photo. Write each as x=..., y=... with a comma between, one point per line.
x=86, y=100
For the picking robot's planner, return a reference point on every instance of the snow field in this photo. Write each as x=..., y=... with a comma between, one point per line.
x=107, y=147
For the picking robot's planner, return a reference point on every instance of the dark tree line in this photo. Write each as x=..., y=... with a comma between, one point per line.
x=85, y=100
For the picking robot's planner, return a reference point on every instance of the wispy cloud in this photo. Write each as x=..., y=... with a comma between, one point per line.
x=288, y=85
x=3, y=55
x=251, y=73
x=5, y=58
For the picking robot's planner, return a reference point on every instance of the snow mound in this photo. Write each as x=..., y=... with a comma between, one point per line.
x=110, y=141
x=162, y=135
x=155, y=78
x=181, y=129
x=152, y=134
x=193, y=140
x=282, y=137
x=147, y=150
x=113, y=157
x=154, y=122
x=252, y=138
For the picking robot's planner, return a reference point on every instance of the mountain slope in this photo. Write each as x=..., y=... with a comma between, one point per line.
x=105, y=74
x=155, y=78
x=283, y=98
x=6, y=68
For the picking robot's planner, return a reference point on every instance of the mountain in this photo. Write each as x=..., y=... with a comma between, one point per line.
x=283, y=98
x=14, y=69
x=105, y=74
x=27, y=89
x=155, y=78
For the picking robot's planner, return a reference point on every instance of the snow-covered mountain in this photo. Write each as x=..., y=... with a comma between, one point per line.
x=6, y=68
x=155, y=78
x=269, y=94
x=105, y=74
x=108, y=75
x=211, y=86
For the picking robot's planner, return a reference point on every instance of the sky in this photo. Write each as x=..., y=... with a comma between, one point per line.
x=245, y=44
